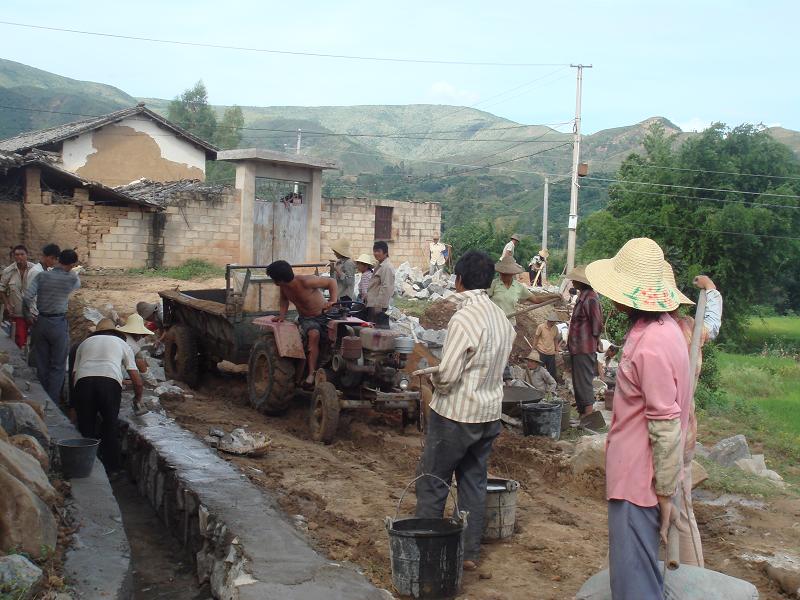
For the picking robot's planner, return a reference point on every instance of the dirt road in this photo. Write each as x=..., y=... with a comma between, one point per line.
x=346, y=489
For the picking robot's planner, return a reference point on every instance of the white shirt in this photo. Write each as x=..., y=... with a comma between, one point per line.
x=104, y=356
x=508, y=250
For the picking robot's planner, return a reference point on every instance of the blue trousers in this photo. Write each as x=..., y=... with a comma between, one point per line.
x=463, y=449
x=633, y=552
x=52, y=347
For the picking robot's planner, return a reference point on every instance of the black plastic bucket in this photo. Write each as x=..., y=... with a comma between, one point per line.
x=77, y=457
x=427, y=555
x=543, y=419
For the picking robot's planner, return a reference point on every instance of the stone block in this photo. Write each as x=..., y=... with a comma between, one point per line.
x=699, y=474
x=18, y=417
x=590, y=454
x=27, y=470
x=726, y=452
x=18, y=575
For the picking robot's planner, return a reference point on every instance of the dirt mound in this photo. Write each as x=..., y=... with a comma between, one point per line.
x=79, y=326
x=438, y=315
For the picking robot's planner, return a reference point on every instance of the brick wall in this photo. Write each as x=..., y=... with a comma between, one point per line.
x=413, y=226
x=196, y=227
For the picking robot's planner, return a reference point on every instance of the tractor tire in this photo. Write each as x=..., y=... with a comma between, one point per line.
x=181, y=357
x=270, y=378
x=323, y=418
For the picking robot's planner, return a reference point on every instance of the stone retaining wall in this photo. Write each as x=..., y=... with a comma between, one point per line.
x=240, y=541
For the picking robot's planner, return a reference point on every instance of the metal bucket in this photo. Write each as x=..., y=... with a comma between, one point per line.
x=77, y=456
x=427, y=555
x=501, y=508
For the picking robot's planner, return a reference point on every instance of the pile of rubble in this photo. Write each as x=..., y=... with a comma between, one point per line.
x=411, y=282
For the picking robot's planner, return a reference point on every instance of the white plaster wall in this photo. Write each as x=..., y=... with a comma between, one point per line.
x=172, y=147
x=75, y=152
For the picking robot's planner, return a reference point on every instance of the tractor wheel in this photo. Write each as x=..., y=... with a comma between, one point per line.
x=181, y=358
x=270, y=378
x=324, y=416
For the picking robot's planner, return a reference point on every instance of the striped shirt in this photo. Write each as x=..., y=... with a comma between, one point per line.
x=51, y=289
x=469, y=383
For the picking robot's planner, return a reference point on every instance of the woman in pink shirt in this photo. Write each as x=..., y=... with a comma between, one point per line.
x=651, y=409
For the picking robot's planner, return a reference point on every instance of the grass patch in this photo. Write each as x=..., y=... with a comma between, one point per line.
x=761, y=400
x=735, y=481
x=191, y=269
x=774, y=334
x=412, y=307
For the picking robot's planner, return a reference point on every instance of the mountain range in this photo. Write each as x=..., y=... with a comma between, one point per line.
x=420, y=138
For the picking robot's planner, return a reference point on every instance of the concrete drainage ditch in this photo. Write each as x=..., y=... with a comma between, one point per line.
x=242, y=545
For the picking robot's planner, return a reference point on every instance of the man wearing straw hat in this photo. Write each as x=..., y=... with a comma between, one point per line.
x=506, y=291
x=467, y=403
x=651, y=410
x=135, y=331
x=536, y=375
x=508, y=249
x=103, y=361
x=536, y=267
x=365, y=264
x=343, y=270
x=583, y=341
x=546, y=342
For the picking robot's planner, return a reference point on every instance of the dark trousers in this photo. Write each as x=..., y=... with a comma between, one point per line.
x=379, y=317
x=549, y=362
x=464, y=449
x=100, y=395
x=52, y=346
x=584, y=369
x=633, y=552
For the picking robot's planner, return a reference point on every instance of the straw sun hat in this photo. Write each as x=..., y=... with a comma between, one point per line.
x=516, y=236
x=135, y=326
x=106, y=325
x=508, y=266
x=669, y=279
x=544, y=252
x=341, y=247
x=578, y=274
x=635, y=277
x=366, y=259
x=534, y=355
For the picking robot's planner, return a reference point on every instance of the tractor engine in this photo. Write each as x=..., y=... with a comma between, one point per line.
x=373, y=358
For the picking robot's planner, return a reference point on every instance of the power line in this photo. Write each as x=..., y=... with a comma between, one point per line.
x=689, y=187
x=669, y=195
x=284, y=52
x=708, y=171
x=422, y=136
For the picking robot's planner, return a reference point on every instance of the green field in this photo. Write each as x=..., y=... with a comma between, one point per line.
x=761, y=396
x=775, y=333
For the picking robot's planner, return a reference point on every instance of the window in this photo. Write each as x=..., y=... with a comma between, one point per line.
x=383, y=222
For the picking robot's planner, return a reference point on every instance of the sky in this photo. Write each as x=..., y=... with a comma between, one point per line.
x=692, y=62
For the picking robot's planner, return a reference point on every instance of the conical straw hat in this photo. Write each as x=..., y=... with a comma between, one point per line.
x=669, y=279
x=341, y=247
x=366, y=259
x=534, y=355
x=135, y=325
x=578, y=274
x=508, y=266
x=634, y=277
x=544, y=252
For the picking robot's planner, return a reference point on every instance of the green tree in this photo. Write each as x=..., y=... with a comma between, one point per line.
x=229, y=129
x=684, y=199
x=191, y=111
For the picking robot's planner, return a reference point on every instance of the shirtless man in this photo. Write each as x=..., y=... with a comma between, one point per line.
x=304, y=292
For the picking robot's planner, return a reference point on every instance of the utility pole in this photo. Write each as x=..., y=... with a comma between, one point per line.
x=299, y=137
x=544, y=223
x=576, y=154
